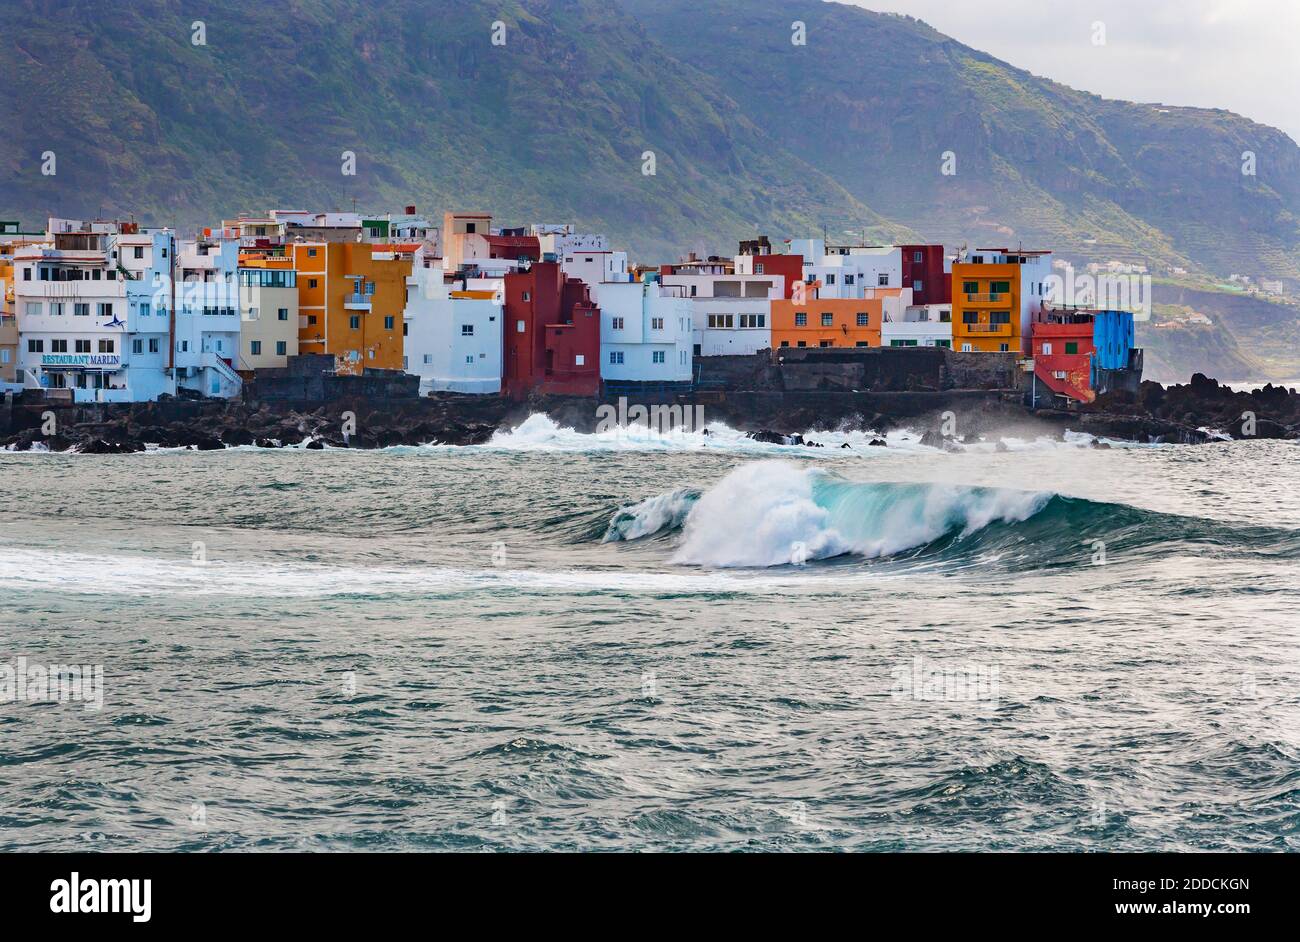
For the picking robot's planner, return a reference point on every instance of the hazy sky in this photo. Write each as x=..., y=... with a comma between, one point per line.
x=1243, y=55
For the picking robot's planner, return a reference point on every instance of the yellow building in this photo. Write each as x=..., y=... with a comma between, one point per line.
x=350, y=301
x=995, y=295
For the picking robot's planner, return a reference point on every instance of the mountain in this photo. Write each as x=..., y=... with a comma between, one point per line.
x=550, y=126
x=749, y=132
x=875, y=100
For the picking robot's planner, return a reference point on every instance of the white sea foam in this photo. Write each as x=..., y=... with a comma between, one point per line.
x=773, y=513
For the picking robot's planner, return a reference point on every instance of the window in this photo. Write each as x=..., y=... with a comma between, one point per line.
x=945, y=317
x=848, y=279
x=616, y=323
x=826, y=343
x=1047, y=349
x=580, y=360
x=153, y=345
x=282, y=314
x=519, y=326
x=82, y=346
x=35, y=346
x=469, y=358
x=106, y=309
x=4, y=355
x=801, y=320
x=803, y=343
x=902, y=343
x=917, y=286
x=137, y=345
x=1071, y=346
x=56, y=308
x=144, y=310
x=139, y=251
x=388, y=322
x=312, y=282
x=253, y=314
x=657, y=356
x=999, y=317
x=965, y=348
x=656, y=323
x=1004, y=348
x=693, y=287
x=863, y=320
x=615, y=357
x=916, y=257
x=970, y=317
x=106, y=346
x=34, y=308
x=27, y=274
x=527, y=296
x=467, y=330
x=970, y=287
x=943, y=343
x=830, y=279
x=785, y=343
x=58, y=346
x=311, y=253
x=722, y=321
x=828, y=319
x=999, y=287
x=883, y=279
x=862, y=343
x=255, y=347
x=311, y=319
x=753, y=320
x=184, y=346
x=355, y=322
x=758, y=269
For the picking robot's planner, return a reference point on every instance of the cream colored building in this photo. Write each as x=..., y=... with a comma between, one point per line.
x=268, y=311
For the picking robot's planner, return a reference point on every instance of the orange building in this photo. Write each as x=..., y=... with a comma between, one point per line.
x=350, y=301
x=996, y=293
x=830, y=322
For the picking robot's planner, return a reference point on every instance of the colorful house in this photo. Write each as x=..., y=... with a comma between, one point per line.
x=757, y=258
x=996, y=293
x=1080, y=352
x=453, y=333
x=925, y=273
x=350, y=301
x=268, y=310
x=552, y=334
x=835, y=322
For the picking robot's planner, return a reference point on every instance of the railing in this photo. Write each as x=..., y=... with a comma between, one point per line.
x=986, y=328
x=992, y=298
x=358, y=298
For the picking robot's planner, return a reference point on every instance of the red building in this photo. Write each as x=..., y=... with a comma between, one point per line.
x=552, y=334
x=1063, y=346
x=923, y=273
x=756, y=258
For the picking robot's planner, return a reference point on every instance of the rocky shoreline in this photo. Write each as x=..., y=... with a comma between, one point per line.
x=1196, y=412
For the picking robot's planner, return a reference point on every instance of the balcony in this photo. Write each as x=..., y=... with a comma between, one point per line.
x=1001, y=330
x=993, y=298
x=357, y=302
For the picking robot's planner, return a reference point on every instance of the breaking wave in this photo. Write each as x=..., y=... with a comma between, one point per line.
x=776, y=513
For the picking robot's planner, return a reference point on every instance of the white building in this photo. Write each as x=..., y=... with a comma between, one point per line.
x=645, y=331
x=207, y=317
x=453, y=332
x=730, y=313
x=92, y=311
x=587, y=257
x=918, y=325
x=848, y=271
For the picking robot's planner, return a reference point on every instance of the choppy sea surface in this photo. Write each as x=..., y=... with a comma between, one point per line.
x=640, y=642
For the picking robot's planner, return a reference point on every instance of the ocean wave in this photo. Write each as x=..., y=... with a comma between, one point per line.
x=776, y=513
